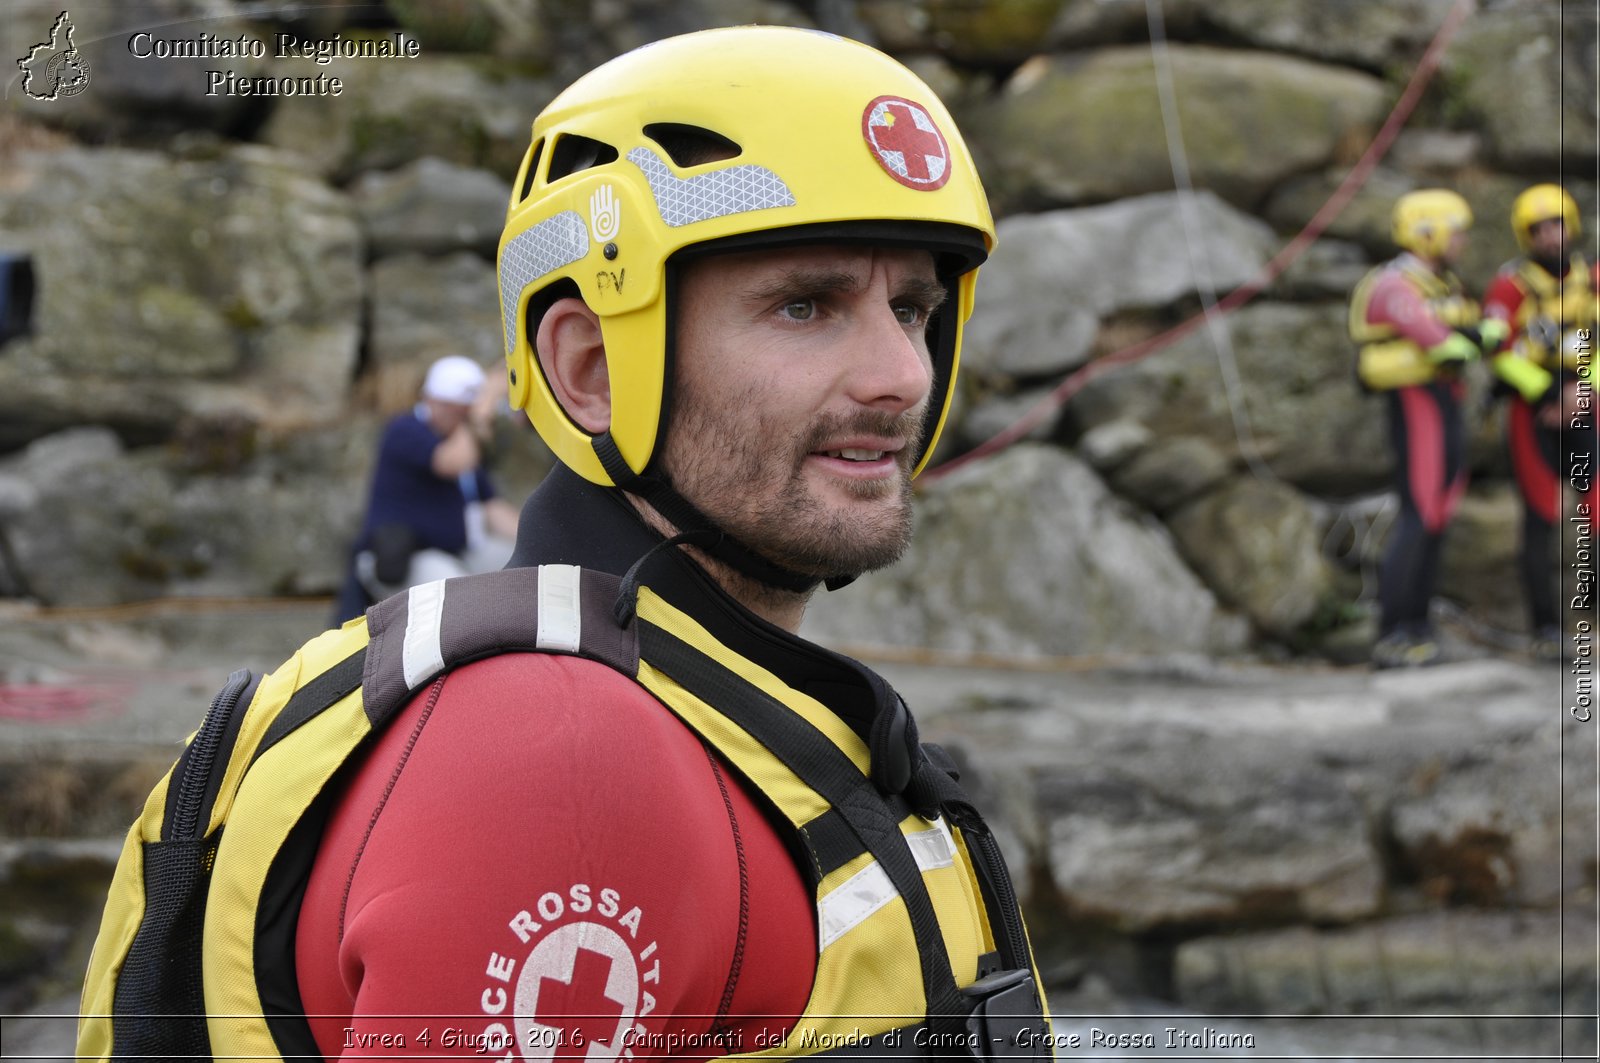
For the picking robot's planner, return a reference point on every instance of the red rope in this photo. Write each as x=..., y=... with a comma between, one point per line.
x=60, y=703
x=1341, y=197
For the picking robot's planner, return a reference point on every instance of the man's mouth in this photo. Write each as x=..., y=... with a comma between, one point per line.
x=855, y=454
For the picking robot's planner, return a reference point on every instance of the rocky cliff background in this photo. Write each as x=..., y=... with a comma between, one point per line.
x=233, y=293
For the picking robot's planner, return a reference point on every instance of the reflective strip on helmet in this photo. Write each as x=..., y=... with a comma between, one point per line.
x=422, y=655
x=543, y=248
x=733, y=190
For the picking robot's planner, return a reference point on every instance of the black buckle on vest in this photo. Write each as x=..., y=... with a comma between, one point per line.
x=1007, y=1020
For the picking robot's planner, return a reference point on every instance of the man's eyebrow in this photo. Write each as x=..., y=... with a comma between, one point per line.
x=930, y=294
x=804, y=282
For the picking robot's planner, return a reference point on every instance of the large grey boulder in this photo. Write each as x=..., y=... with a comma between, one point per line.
x=431, y=207
x=1295, y=406
x=1493, y=825
x=1055, y=275
x=993, y=412
x=982, y=32
x=170, y=289
x=1526, y=74
x=1258, y=545
x=584, y=34
x=424, y=308
x=1149, y=805
x=1366, y=35
x=1466, y=962
x=1167, y=473
x=1061, y=132
x=1328, y=268
x=1156, y=831
x=512, y=28
x=1364, y=220
x=107, y=525
x=1163, y=802
x=1029, y=553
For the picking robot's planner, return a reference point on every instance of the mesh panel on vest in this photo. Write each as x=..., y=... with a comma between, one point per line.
x=160, y=1002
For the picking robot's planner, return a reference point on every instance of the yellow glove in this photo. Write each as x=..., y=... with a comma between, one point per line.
x=1493, y=332
x=1457, y=348
x=1531, y=381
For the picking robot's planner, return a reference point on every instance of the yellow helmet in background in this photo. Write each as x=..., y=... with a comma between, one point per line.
x=1426, y=220
x=727, y=139
x=1542, y=203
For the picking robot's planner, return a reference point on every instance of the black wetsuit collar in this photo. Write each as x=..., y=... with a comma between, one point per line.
x=570, y=521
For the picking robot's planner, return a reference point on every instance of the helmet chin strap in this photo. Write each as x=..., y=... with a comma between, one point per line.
x=711, y=538
x=1555, y=264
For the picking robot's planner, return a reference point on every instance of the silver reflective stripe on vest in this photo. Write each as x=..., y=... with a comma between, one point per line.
x=553, y=243
x=560, y=617
x=422, y=656
x=934, y=848
x=852, y=902
x=731, y=190
x=870, y=889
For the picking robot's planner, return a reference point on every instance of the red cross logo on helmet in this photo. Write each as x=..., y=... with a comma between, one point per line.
x=906, y=142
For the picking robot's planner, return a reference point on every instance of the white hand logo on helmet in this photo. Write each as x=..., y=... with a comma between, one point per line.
x=604, y=216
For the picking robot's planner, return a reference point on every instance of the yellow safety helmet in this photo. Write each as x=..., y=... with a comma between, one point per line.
x=814, y=139
x=1541, y=203
x=1425, y=220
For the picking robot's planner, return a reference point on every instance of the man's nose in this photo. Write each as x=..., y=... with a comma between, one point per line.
x=892, y=370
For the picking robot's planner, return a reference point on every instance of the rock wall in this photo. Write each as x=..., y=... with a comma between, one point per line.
x=1263, y=842
x=238, y=289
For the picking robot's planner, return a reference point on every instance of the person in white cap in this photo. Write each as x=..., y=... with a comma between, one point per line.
x=432, y=512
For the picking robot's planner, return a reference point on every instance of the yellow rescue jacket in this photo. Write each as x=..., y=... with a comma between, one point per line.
x=194, y=952
x=1386, y=360
x=1566, y=303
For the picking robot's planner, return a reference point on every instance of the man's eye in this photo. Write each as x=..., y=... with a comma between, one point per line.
x=908, y=314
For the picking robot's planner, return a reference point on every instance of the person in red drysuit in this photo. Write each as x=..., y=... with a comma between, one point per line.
x=1417, y=328
x=1548, y=298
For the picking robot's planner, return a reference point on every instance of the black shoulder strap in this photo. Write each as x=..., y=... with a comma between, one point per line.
x=822, y=766
x=549, y=609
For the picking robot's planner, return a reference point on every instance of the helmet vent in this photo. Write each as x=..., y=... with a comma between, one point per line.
x=533, y=170
x=691, y=145
x=573, y=154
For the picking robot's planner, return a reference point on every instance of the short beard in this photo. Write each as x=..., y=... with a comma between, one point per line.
x=1553, y=264
x=795, y=530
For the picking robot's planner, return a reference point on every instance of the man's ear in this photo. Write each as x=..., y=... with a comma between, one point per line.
x=573, y=356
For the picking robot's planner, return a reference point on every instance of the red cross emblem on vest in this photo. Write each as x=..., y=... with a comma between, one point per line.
x=593, y=1016
x=906, y=142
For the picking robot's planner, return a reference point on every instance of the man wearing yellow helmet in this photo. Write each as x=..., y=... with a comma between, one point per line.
x=1548, y=298
x=1416, y=328
x=734, y=277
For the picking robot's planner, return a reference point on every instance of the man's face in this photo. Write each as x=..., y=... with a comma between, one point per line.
x=801, y=380
x=446, y=417
x=1548, y=238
